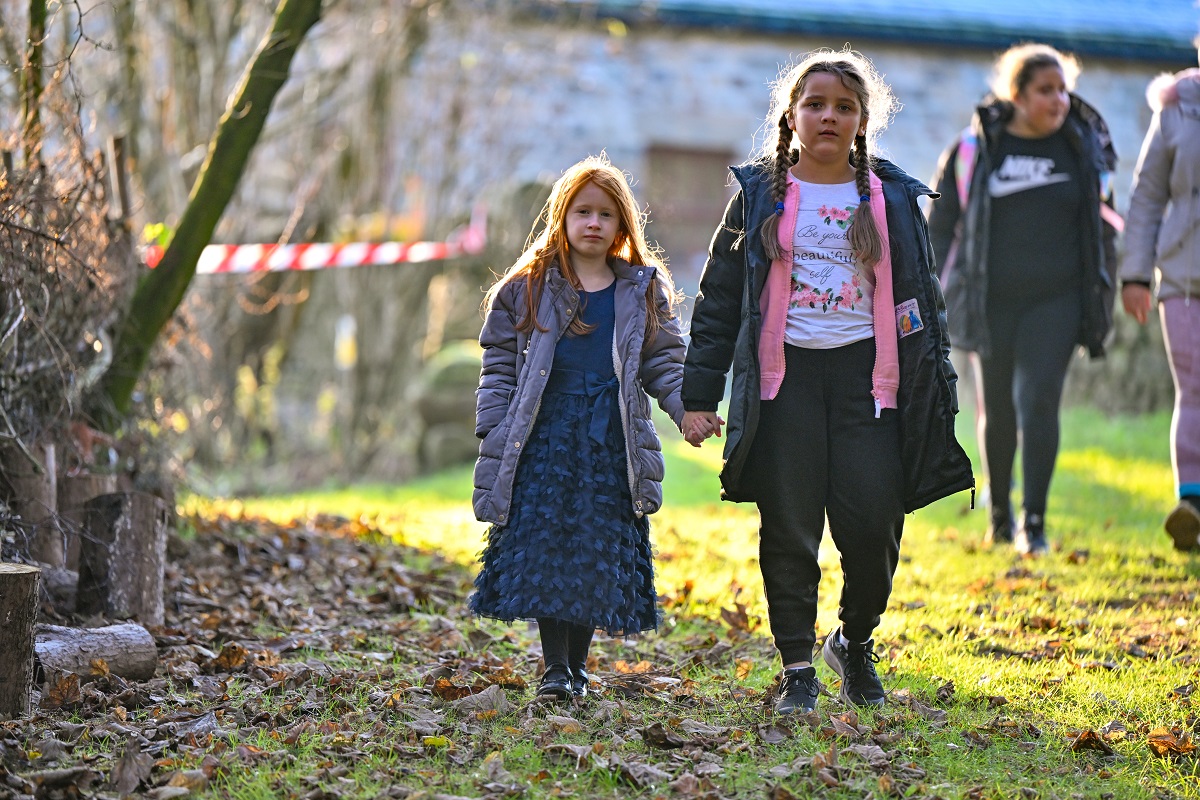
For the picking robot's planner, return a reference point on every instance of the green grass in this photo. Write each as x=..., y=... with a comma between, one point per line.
x=1026, y=654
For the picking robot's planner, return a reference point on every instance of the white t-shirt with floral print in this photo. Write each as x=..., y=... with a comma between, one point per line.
x=830, y=303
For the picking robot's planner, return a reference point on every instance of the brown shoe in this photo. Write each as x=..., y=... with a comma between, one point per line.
x=1183, y=523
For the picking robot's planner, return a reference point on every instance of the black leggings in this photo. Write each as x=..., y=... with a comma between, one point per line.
x=820, y=451
x=1021, y=384
x=564, y=643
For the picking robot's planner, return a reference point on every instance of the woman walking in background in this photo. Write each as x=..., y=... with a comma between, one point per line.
x=1023, y=237
x=1163, y=230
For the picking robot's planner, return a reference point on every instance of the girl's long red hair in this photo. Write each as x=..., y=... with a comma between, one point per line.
x=548, y=246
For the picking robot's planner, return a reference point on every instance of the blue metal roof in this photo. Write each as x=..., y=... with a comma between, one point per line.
x=1145, y=30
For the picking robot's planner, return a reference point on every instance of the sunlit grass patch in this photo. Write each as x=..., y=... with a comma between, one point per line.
x=995, y=663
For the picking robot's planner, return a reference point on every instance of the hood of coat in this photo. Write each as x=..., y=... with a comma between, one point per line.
x=1182, y=88
x=620, y=267
x=755, y=172
x=993, y=113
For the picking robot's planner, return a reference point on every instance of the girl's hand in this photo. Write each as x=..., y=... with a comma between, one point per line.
x=1136, y=299
x=699, y=425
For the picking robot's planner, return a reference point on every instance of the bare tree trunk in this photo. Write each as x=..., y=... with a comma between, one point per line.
x=31, y=82
x=18, y=612
x=159, y=294
x=127, y=650
x=122, y=559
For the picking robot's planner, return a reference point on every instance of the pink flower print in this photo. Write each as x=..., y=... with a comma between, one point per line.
x=850, y=292
x=803, y=295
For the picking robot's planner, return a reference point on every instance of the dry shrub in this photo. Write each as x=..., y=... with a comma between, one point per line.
x=66, y=274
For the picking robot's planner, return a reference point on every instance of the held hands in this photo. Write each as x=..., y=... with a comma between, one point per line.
x=1136, y=299
x=699, y=425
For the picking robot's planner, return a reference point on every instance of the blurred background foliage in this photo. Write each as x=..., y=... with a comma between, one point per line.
x=400, y=117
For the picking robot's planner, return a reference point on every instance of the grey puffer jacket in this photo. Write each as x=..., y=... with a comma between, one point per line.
x=516, y=367
x=1163, y=224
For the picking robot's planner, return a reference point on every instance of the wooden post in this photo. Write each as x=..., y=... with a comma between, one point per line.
x=18, y=611
x=28, y=478
x=73, y=492
x=121, y=560
x=127, y=650
x=120, y=178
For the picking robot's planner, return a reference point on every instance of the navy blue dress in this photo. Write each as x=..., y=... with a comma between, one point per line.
x=573, y=549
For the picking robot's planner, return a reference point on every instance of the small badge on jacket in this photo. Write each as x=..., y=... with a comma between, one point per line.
x=908, y=318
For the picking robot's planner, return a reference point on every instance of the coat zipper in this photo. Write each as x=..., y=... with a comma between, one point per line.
x=625, y=427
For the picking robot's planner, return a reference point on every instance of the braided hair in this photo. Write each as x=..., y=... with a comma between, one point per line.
x=776, y=154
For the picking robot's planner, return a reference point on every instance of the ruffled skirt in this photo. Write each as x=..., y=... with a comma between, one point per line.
x=573, y=549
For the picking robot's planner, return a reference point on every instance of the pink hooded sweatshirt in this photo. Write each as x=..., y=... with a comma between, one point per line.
x=885, y=378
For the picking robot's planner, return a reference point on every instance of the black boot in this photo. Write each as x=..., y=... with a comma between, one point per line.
x=555, y=684
x=1000, y=529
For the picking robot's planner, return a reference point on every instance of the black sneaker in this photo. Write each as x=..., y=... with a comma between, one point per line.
x=1031, y=536
x=580, y=681
x=855, y=665
x=1183, y=523
x=798, y=690
x=555, y=684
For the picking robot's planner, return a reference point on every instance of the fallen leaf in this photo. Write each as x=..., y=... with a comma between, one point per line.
x=657, y=735
x=1164, y=741
x=564, y=724
x=131, y=768
x=63, y=693
x=736, y=617
x=448, y=690
x=1089, y=740
x=193, y=779
x=772, y=733
x=231, y=658
x=639, y=774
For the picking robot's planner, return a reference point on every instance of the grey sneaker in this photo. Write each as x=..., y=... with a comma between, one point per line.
x=798, y=690
x=1031, y=536
x=855, y=665
x=1183, y=523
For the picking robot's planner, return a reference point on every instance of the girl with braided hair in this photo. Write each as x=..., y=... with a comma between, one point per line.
x=820, y=293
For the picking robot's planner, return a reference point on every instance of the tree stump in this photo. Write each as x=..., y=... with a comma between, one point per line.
x=18, y=610
x=73, y=492
x=29, y=487
x=122, y=559
x=127, y=650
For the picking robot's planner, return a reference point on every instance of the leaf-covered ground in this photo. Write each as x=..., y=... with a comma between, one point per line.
x=320, y=659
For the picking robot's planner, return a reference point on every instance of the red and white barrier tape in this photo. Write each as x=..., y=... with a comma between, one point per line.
x=233, y=258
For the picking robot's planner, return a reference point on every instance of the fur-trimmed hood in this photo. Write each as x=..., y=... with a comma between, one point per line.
x=1182, y=88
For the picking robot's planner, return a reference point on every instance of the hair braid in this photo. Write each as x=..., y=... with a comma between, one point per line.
x=864, y=238
x=783, y=162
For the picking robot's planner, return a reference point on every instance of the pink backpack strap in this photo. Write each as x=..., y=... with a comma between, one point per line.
x=964, y=164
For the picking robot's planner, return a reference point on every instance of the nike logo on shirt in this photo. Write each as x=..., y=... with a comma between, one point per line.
x=1020, y=173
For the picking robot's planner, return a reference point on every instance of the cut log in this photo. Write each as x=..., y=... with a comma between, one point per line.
x=121, y=559
x=127, y=650
x=18, y=612
x=73, y=492
x=27, y=481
